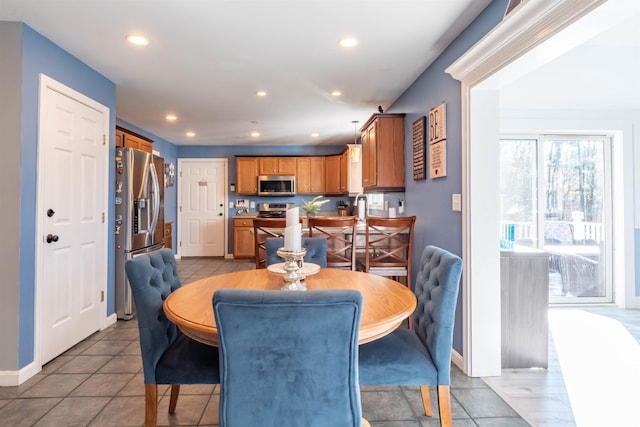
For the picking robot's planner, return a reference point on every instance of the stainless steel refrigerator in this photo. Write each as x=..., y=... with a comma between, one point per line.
x=139, y=222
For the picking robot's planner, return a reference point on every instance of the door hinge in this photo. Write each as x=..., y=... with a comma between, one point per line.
x=101, y=296
x=180, y=207
x=104, y=139
x=103, y=217
x=180, y=243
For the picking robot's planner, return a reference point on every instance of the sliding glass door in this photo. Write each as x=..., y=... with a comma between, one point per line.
x=555, y=196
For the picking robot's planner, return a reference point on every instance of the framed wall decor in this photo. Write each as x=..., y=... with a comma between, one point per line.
x=437, y=123
x=438, y=159
x=419, y=154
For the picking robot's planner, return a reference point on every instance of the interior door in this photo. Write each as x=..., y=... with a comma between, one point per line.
x=72, y=188
x=202, y=211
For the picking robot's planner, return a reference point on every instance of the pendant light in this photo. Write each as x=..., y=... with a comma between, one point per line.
x=355, y=148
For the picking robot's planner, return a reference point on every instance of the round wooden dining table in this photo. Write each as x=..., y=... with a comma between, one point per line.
x=386, y=303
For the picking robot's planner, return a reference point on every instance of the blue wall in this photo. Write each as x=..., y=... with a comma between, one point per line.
x=430, y=200
x=42, y=56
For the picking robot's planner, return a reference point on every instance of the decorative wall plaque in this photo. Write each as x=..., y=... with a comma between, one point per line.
x=437, y=123
x=419, y=138
x=438, y=159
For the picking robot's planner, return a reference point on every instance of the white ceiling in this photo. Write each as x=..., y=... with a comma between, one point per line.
x=207, y=58
x=599, y=72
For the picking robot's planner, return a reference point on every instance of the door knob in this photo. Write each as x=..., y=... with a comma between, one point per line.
x=52, y=238
x=220, y=214
x=50, y=213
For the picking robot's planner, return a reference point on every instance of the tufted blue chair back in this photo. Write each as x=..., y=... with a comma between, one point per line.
x=436, y=289
x=316, y=250
x=153, y=277
x=288, y=359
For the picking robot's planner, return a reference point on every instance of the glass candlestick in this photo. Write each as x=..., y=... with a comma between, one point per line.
x=292, y=263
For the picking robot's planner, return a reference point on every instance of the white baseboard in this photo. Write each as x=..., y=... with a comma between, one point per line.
x=457, y=360
x=14, y=378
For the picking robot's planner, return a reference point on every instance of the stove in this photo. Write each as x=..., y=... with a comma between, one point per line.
x=274, y=210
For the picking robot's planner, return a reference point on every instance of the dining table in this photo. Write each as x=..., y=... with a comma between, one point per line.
x=386, y=303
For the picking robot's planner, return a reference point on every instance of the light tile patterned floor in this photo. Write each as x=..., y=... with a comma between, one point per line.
x=99, y=383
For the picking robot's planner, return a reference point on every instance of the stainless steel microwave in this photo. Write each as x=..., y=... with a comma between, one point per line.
x=276, y=185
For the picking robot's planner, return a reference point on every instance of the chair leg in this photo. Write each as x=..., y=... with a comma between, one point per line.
x=426, y=400
x=444, y=402
x=173, y=401
x=150, y=405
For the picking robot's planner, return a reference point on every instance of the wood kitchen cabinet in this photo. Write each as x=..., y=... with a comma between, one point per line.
x=344, y=164
x=247, y=175
x=277, y=166
x=383, y=153
x=128, y=139
x=310, y=175
x=243, y=243
x=168, y=234
x=333, y=167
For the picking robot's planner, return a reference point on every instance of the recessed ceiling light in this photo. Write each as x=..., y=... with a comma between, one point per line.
x=336, y=93
x=255, y=134
x=171, y=117
x=191, y=134
x=261, y=93
x=348, y=42
x=138, y=40
x=315, y=134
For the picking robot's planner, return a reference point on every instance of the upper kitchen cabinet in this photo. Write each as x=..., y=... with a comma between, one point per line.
x=310, y=175
x=334, y=172
x=128, y=139
x=383, y=153
x=247, y=175
x=277, y=166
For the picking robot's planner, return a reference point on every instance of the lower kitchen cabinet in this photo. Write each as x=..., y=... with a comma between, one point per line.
x=243, y=243
x=168, y=235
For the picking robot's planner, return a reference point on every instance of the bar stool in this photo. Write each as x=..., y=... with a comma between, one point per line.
x=340, y=233
x=388, y=243
x=263, y=228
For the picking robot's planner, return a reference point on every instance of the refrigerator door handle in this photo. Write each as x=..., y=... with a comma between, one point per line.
x=156, y=198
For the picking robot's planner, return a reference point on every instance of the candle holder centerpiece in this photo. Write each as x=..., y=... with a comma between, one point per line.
x=292, y=263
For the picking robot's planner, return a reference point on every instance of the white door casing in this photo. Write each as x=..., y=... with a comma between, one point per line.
x=71, y=243
x=202, y=207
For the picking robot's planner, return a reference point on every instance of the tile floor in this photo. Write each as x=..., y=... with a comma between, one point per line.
x=99, y=383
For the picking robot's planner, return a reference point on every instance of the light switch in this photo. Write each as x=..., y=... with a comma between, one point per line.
x=253, y=205
x=231, y=205
x=456, y=202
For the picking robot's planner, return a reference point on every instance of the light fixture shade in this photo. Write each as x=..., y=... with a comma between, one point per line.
x=355, y=154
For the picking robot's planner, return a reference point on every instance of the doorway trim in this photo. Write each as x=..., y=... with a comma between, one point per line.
x=522, y=31
x=47, y=83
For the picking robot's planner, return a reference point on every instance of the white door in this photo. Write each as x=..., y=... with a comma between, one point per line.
x=72, y=188
x=202, y=207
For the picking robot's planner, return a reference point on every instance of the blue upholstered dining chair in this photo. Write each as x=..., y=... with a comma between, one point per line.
x=316, y=250
x=421, y=355
x=168, y=356
x=288, y=358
